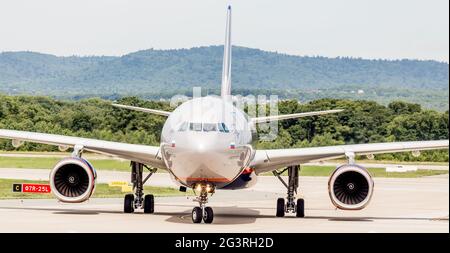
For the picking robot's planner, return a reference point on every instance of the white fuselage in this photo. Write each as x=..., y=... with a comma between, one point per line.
x=206, y=139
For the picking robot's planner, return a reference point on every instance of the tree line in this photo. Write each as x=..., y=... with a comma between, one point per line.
x=361, y=122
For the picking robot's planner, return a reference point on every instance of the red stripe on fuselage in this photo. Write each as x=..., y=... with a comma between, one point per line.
x=207, y=179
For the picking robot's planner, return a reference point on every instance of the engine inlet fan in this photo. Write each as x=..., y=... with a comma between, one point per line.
x=71, y=180
x=350, y=187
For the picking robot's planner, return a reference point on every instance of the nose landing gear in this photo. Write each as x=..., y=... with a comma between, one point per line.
x=138, y=200
x=292, y=206
x=203, y=212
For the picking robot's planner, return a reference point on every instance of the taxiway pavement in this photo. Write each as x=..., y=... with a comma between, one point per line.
x=398, y=205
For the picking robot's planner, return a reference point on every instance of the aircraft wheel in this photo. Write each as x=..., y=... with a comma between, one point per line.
x=128, y=203
x=149, y=204
x=280, y=207
x=208, y=216
x=197, y=215
x=300, y=208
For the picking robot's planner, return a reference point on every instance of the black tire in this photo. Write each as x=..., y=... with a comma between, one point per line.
x=197, y=215
x=149, y=204
x=208, y=215
x=128, y=203
x=280, y=207
x=300, y=208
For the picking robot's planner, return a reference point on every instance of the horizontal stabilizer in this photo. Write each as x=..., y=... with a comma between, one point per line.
x=140, y=109
x=292, y=116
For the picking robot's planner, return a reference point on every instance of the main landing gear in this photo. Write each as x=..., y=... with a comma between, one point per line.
x=203, y=212
x=291, y=206
x=138, y=200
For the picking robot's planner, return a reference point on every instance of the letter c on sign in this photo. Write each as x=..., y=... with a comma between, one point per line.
x=17, y=187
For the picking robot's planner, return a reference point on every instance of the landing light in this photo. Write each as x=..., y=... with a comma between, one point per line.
x=201, y=187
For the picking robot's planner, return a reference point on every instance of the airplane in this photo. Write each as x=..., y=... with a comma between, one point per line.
x=207, y=144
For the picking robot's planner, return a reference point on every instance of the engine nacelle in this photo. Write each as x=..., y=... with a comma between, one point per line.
x=350, y=187
x=73, y=180
x=246, y=179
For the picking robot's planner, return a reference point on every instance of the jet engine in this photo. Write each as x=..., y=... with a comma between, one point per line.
x=73, y=180
x=350, y=187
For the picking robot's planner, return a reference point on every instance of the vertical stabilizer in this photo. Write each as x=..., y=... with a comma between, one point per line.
x=226, y=69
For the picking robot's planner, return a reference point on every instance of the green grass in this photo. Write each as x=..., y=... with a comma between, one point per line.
x=325, y=171
x=49, y=162
x=391, y=162
x=101, y=191
x=119, y=165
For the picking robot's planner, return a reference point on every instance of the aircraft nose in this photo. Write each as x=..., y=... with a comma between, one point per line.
x=196, y=143
x=203, y=145
x=200, y=148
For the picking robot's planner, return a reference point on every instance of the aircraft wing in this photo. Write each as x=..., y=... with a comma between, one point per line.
x=271, y=159
x=292, y=116
x=140, y=109
x=140, y=153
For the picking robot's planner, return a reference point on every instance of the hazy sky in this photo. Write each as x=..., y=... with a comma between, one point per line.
x=389, y=29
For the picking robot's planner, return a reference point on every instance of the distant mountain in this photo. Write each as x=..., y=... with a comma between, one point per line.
x=155, y=73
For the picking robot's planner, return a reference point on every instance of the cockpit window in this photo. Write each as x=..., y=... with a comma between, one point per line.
x=183, y=127
x=195, y=127
x=205, y=127
x=223, y=128
x=209, y=127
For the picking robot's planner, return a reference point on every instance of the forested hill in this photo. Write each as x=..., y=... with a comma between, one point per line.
x=153, y=73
